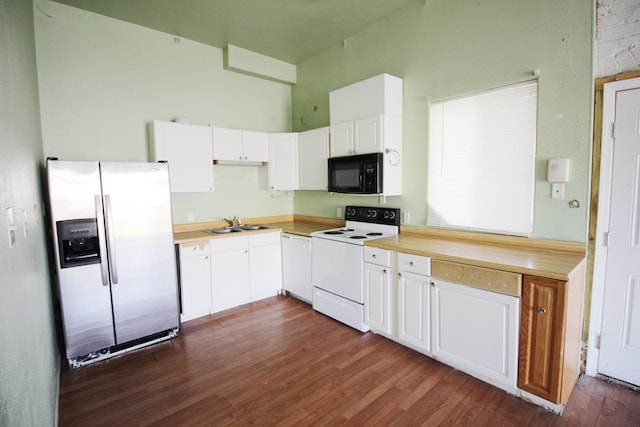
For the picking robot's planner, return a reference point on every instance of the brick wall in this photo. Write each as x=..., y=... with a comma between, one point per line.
x=617, y=36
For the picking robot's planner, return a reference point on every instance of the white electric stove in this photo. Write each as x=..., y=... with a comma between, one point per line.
x=337, y=262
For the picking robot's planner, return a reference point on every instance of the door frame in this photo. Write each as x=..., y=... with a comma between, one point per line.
x=600, y=202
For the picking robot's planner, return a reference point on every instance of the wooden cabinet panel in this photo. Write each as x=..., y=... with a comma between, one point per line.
x=542, y=333
x=484, y=278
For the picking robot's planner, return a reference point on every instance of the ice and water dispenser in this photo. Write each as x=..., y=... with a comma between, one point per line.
x=78, y=242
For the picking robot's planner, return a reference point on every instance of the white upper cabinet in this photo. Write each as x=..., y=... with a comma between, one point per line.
x=342, y=141
x=381, y=94
x=255, y=146
x=360, y=136
x=366, y=117
x=313, y=147
x=187, y=149
x=240, y=146
x=283, y=161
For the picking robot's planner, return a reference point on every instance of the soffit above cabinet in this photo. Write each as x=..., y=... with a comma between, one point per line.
x=289, y=30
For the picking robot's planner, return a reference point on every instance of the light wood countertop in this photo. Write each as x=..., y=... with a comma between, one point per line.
x=300, y=225
x=552, y=263
x=545, y=258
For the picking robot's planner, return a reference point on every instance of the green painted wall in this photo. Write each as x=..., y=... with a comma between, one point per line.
x=448, y=48
x=29, y=357
x=102, y=80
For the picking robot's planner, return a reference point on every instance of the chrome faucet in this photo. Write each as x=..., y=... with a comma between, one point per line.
x=234, y=222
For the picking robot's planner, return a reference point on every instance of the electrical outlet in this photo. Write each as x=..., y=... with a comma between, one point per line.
x=407, y=217
x=339, y=212
x=190, y=217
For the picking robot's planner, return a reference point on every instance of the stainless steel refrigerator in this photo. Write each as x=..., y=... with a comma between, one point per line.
x=114, y=256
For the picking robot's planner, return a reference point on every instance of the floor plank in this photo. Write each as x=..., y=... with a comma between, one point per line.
x=277, y=362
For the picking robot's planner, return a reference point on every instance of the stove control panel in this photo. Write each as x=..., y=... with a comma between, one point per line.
x=373, y=215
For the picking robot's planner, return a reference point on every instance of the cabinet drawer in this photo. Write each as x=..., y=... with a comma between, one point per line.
x=263, y=239
x=377, y=256
x=225, y=244
x=415, y=264
x=187, y=251
x=478, y=277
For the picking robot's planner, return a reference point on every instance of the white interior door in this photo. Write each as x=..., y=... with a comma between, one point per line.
x=620, y=334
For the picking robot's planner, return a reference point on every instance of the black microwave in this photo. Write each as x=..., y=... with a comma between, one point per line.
x=361, y=174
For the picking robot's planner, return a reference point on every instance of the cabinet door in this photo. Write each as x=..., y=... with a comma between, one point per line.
x=368, y=135
x=296, y=265
x=187, y=149
x=476, y=331
x=195, y=286
x=341, y=141
x=227, y=144
x=283, y=161
x=313, y=153
x=541, y=335
x=265, y=265
x=229, y=272
x=377, y=298
x=414, y=323
x=255, y=146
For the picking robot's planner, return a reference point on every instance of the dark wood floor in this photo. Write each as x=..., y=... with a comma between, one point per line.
x=277, y=362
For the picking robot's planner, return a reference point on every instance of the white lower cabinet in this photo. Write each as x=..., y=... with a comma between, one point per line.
x=296, y=266
x=230, y=285
x=476, y=331
x=195, y=281
x=244, y=268
x=414, y=309
x=265, y=265
x=378, y=298
x=414, y=323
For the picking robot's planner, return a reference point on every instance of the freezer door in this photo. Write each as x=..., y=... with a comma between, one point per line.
x=144, y=284
x=85, y=300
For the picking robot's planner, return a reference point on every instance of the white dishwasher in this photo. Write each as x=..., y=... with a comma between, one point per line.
x=296, y=266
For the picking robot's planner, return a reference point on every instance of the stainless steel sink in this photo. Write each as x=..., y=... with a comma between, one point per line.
x=224, y=230
x=238, y=229
x=254, y=227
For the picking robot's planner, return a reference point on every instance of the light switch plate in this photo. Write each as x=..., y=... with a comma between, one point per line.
x=25, y=223
x=11, y=228
x=557, y=190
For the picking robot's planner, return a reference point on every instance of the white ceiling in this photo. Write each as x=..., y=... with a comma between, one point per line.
x=289, y=30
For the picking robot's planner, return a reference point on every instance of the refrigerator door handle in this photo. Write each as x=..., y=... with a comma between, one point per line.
x=110, y=245
x=104, y=269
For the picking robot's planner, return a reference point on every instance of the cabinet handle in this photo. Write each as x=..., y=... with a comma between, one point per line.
x=207, y=257
x=399, y=274
x=384, y=271
x=239, y=157
x=542, y=310
x=411, y=263
x=374, y=256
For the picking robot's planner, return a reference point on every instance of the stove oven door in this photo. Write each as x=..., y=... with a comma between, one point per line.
x=336, y=267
